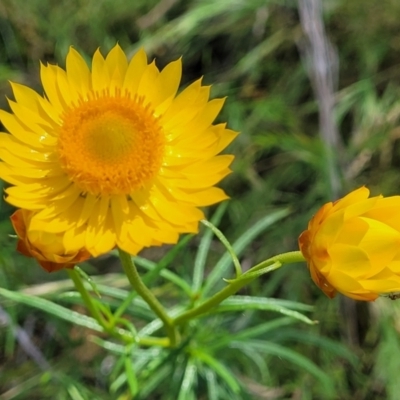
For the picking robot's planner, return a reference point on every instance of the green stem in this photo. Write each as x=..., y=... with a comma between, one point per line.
x=213, y=301
x=143, y=291
x=153, y=341
x=236, y=285
x=112, y=329
x=284, y=258
x=87, y=299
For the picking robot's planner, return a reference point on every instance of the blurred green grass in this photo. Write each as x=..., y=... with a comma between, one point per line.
x=248, y=50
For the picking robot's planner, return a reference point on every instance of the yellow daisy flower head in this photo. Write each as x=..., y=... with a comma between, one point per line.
x=46, y=248
x=352, y=246
x=112, y=156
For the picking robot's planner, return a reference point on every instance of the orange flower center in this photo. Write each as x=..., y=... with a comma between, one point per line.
x=110, y=145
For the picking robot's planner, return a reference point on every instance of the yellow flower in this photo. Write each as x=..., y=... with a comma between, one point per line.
x=112, y=156
x=47, y=248
x=353, y=246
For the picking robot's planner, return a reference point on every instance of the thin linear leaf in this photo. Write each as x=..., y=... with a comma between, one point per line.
x=189, y=379
x=74, y=393
x=212, y=386
x=22, y=387
x=137, y=307
x=166, y=274
x=252, y=332
x=52, y=308
x=166, y=260
x=241, y=303
x=244, y=300
x=118, y=382
x=257, y=359
x=297, y=359
x=320, y=341
x=155, y=380
x=131, y=376
x=240, y=244
x=274, y=308
x=88, y=279
x=219, y=369
x=109, y=346
x=228, y=246
x=156, y=324
x=204, y=247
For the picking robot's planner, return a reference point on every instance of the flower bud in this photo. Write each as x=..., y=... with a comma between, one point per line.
x=46, y=247
x=352, y=246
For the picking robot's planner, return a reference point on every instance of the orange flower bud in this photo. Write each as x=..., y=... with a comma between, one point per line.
x=46, y=247
x=353, y=246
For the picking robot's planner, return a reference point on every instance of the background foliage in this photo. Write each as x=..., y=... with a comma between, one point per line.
x=250, y=51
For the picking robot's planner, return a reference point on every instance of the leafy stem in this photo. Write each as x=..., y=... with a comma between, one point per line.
x=235, y=285
x=143, y=291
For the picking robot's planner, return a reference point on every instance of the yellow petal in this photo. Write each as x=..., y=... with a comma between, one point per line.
x=78, y=73
x=89, y=203
x=168, y=82
x=147, y=86
x=135, y=71
x=350, y=260
x=353, y=197
x=26, y=97
x=381, y=243
x=117, y=65
x=100, y=73
x=48, y=77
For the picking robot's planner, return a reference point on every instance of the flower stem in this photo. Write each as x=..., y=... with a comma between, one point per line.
x=87, y=299
x=110, y=328
x=284, y=258
x=143, y=291
x=235, y=285
x=213, y=301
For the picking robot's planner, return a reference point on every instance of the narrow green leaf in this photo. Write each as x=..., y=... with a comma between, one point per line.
x=228, y=246
x=166, y=274
x=204, y=247
x=107, y=345
x=156, y=324
x=219, y=369
x=157, y=378
x=74, y=393
x=240, y=244
x=244, y=300
x=257, y=359
x=88, y=279
x=320, y=341
x=124, y=305
x=250, y=333
x=241, y=303
x=166, y=261
x=10, y=318
x=130, y=375
x=189, y=379
x=52, y=308
x=118, y=382
x=297, y=359
x=212, y=386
